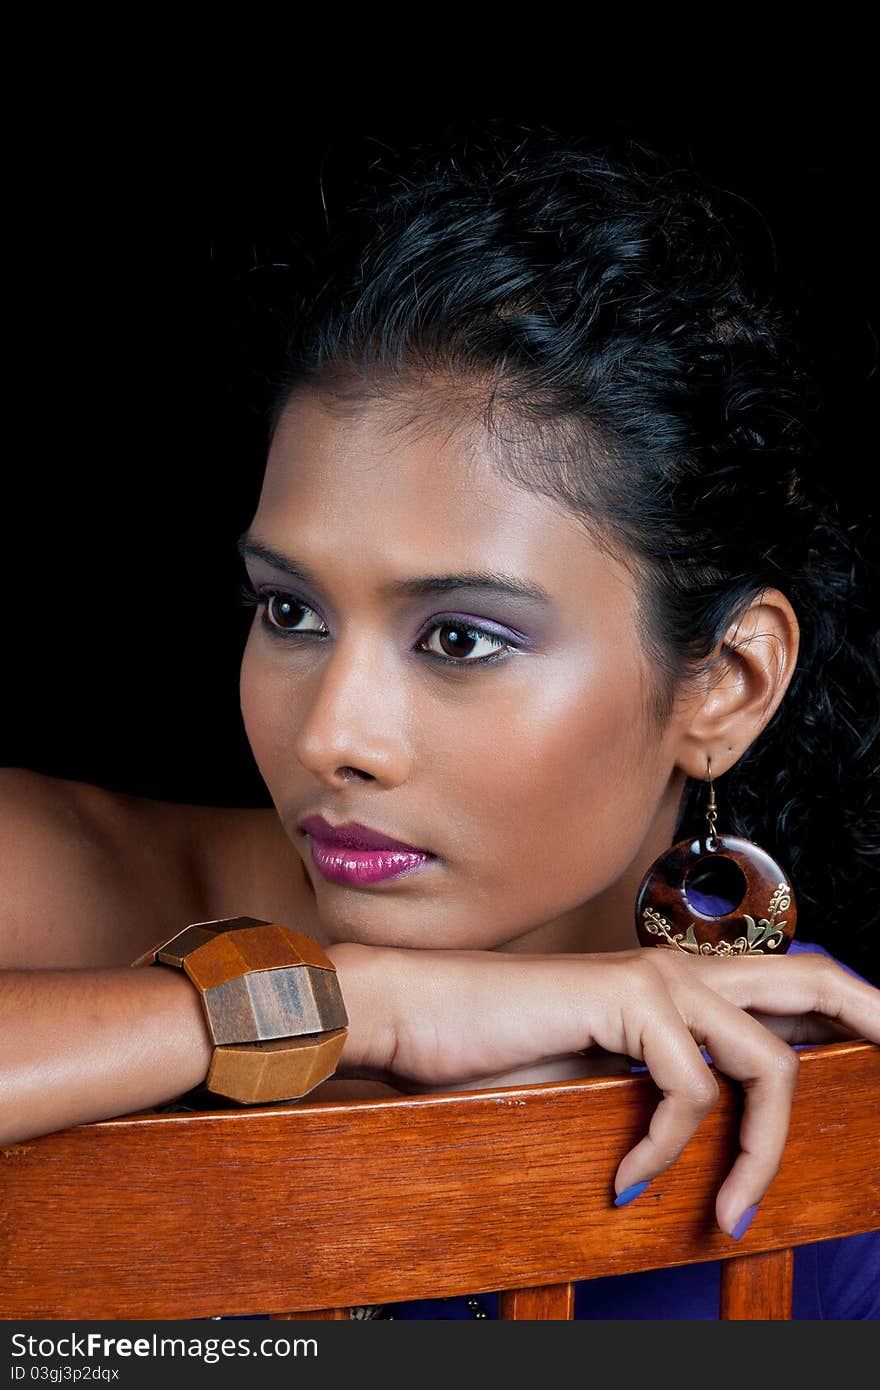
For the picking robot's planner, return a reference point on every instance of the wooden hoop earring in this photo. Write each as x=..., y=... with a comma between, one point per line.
x=718, y=895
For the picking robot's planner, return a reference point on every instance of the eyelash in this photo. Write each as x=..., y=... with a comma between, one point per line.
x=250, y=598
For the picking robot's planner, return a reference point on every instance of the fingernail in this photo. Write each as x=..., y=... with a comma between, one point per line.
x=630, y=1193
x=744, y=1222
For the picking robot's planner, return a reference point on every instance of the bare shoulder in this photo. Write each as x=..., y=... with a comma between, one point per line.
x=72, y=891
x=92, y=877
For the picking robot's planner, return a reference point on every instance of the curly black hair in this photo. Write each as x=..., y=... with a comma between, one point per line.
x=605, y=308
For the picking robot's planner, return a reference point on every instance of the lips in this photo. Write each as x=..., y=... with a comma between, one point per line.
x=352, y=835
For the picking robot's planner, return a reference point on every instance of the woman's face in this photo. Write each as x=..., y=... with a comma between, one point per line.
x=505, y=733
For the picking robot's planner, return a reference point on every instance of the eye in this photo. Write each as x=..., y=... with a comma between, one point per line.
x=457, y=640
x=285, y=613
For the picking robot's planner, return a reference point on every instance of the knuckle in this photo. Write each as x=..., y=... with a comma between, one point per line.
x=824, y=966
x=644, y=974
x=824, y=980
x=829, y=997
x=644, y=957
x=787, y=1064
x=704, y=1092
x=658, y=960
x=822, y=969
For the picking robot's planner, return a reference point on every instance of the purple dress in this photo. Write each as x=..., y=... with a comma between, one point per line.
x=838, y=1279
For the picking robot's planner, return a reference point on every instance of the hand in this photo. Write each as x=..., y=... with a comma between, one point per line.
x=452, y=1017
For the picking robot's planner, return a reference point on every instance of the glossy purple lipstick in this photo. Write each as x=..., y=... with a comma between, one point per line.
x=353, y=854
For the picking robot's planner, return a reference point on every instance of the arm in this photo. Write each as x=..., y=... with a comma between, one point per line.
x=437, y=1018
x=84, y=1045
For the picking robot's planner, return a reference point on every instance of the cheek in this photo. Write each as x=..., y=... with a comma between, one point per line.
x=566, y=791
x=262, y=707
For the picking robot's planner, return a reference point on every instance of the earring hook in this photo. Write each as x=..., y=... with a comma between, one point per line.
x=711, y=810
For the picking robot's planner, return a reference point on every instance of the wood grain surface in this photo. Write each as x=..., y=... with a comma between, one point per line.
x=315, y=1206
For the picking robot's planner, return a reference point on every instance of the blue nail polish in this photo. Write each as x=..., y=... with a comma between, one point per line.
x=744, y=1223
x=630, y=1193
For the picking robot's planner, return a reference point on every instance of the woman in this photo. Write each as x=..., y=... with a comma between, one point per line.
x=539, y=550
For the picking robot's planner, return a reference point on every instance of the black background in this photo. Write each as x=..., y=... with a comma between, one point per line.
x=140, y=347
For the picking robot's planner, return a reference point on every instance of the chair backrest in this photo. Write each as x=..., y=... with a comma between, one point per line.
x=303, y=1209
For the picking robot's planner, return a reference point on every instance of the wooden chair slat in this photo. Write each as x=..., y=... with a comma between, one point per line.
x=758, y=1286
x=313, y=1315
x=550, y=1302
x=327, y=1204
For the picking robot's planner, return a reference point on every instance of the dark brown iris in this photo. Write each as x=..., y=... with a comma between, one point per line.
x=457, y=636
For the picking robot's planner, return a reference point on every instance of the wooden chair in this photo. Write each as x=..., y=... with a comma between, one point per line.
x=305, y=1208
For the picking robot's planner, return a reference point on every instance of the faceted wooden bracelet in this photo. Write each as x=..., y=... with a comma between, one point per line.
x=272, y=1002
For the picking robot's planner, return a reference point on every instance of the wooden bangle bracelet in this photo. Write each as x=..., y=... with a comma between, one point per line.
x=272, y=1002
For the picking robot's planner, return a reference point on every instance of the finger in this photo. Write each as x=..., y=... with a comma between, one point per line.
x=768, y=1069
x=805, y=1029
x=805, y=983
x=662, y=1040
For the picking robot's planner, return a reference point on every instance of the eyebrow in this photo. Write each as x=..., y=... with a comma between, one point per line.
x=491, y=581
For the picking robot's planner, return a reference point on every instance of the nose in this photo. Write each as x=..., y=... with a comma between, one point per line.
x=354, y=721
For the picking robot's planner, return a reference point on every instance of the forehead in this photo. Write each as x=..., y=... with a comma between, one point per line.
x=387, y=490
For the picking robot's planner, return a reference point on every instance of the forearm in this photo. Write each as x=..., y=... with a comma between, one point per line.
x=83, y=1045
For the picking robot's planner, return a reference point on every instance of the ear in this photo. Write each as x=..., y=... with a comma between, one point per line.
x=725, y=711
